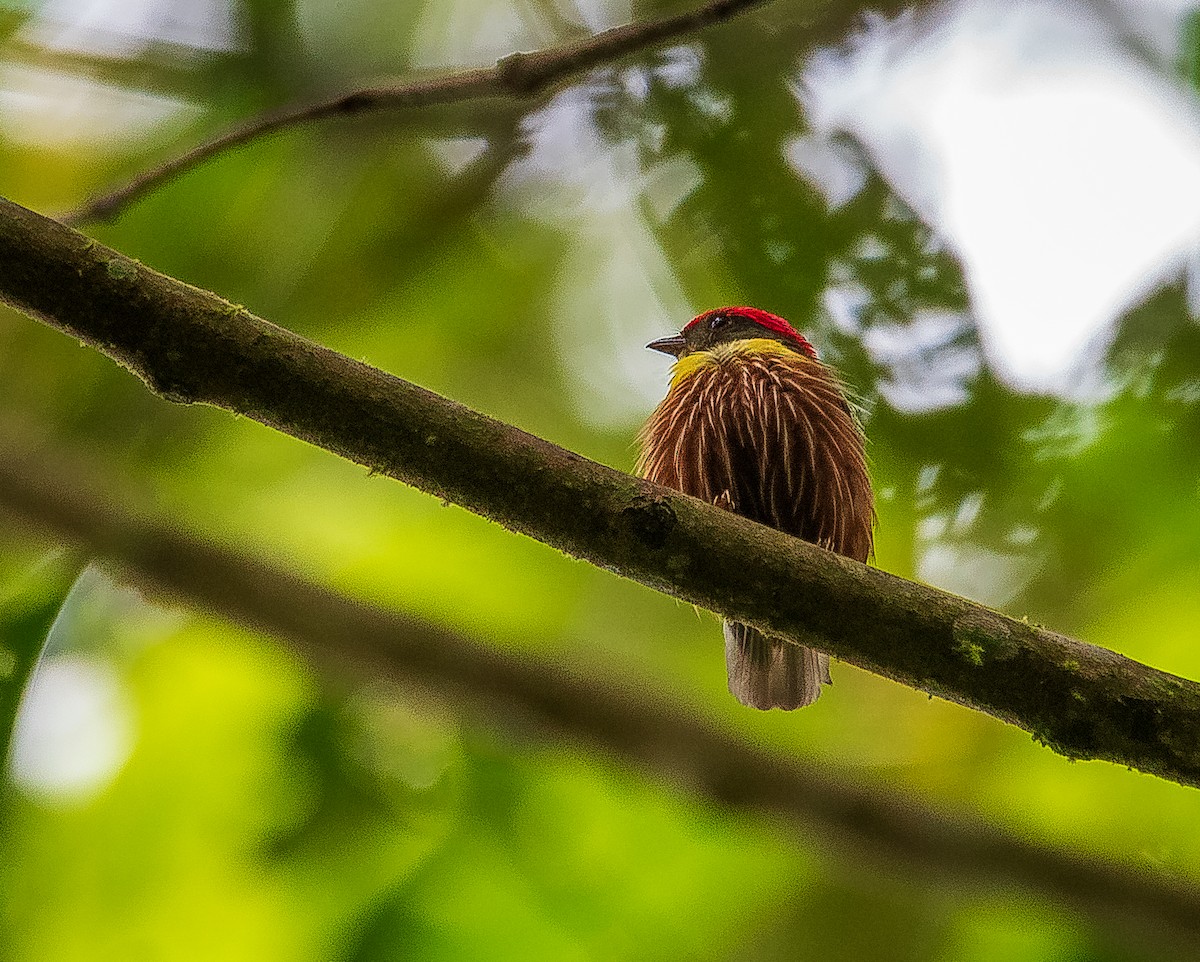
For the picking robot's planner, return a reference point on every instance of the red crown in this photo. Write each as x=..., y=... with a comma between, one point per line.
x=772, y=322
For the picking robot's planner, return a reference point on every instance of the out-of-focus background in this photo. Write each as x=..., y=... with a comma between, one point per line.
x=984, y=213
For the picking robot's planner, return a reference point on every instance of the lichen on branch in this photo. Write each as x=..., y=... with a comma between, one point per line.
x=189, y=345
x=597, y=704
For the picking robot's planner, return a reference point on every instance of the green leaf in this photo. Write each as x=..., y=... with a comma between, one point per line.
x=1189, y=49
x=26, y=617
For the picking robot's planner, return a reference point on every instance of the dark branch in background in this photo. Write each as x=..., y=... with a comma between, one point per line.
x=625, y=720
x=161, y=69
x=520, y=75
x=189, y=345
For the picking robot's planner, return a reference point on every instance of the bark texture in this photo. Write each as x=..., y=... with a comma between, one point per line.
x=190, y=346
x=595, y=704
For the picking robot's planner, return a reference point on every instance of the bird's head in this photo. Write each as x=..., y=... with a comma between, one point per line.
x=726, y=325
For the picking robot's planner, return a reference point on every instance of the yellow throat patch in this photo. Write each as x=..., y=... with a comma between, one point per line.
x=689, y=364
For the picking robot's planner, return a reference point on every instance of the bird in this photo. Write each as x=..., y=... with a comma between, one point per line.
x=755, y=423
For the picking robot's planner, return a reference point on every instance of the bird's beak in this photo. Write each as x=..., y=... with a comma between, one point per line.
x=669, y=345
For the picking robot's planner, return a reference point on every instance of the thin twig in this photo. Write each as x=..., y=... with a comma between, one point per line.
x=519, y=75
x=188, y=345
x=626, y=719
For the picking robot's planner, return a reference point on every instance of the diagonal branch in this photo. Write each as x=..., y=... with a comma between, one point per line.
x=189, y=345
x=647, y=728
x=519, y=75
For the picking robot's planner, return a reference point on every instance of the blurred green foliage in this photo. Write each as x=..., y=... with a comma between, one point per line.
x=264, y=812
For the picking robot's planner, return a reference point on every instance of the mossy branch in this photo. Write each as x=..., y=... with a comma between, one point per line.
x=189, y=345
x=597, y=704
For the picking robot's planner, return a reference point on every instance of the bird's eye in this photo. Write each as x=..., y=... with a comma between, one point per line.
x=718, y=321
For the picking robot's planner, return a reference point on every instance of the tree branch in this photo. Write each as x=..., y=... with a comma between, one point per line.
x=189, y=345
x=623, y=719
x=519, y=75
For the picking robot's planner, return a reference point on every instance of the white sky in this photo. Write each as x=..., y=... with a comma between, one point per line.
x=74, y=731
x=1064, y=172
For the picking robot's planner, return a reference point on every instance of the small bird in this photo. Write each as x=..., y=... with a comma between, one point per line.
x=754, y=423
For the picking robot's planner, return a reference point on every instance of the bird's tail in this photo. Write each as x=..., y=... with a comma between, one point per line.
x=765, y=673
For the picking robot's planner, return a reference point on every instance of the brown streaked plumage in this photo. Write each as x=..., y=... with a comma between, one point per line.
x=754, y=422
